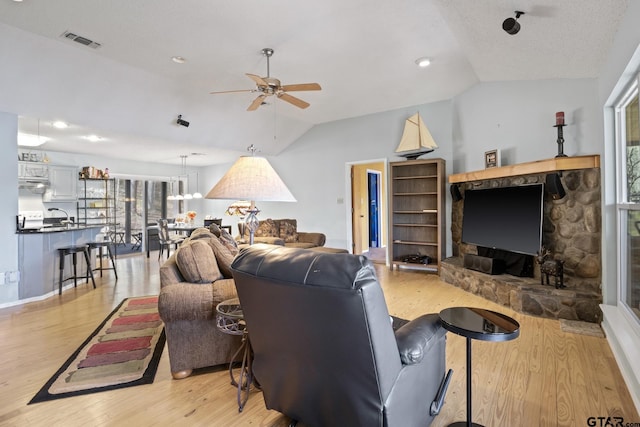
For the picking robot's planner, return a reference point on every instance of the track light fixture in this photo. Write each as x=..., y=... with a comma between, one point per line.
x=511, y=25
x=182, y=122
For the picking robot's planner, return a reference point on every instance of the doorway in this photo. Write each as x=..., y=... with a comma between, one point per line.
x=368, y=210
x=375, y=228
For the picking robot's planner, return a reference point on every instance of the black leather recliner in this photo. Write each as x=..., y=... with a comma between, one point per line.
x=324, y=349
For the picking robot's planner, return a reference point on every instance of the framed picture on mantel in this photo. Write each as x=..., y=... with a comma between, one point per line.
x=492, y=159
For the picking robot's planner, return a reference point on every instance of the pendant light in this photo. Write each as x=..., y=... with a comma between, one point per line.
x=197, y=194
x=180, y=196
x=172, y=195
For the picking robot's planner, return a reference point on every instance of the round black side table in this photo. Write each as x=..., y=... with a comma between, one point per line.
x=477, y=324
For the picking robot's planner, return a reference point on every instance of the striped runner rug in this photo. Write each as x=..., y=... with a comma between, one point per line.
x=123, y=351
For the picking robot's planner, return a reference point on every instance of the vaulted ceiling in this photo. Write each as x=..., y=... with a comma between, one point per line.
x=362, y=53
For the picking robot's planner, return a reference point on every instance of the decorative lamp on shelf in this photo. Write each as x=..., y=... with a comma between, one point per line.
x=251, y=178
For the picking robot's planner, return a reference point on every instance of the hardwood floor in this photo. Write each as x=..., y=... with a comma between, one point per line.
x=544, y=378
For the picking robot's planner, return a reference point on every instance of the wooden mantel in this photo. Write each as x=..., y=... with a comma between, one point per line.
x=540, y=166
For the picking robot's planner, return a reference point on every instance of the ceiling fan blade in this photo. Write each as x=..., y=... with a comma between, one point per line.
x=232, y=91
x=293, y=100
x=256, y=103
x=259, y=80
x=301, y=86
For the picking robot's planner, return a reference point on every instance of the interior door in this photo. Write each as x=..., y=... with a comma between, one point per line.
x=359, y=209
x=360, y=205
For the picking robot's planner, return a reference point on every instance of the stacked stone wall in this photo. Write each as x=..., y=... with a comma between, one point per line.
x=571, y=227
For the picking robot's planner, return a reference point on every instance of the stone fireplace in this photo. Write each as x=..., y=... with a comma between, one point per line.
x=571, y=230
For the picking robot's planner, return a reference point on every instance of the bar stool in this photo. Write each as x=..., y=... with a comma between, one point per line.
x=73, y=251
x=99, y=246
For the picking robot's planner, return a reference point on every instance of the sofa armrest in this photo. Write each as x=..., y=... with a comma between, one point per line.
x=194, y=301
x=268, y=240
x=416, y=337
x=169, y=272
x=318, y=239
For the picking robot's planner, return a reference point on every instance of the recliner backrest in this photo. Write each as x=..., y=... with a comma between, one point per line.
x=320, y=331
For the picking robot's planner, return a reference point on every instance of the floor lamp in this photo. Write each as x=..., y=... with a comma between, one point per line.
x=251, y=178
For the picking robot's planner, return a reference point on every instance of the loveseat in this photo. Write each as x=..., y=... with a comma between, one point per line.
x=193, y=281
x=283, y=232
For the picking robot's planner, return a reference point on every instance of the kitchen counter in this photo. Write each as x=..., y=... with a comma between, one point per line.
x=58, y=229
x=38, y=257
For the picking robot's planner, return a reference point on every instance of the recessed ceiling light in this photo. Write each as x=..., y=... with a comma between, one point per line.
x=93, y=138
x=17, y=1
x=423, y=62
x=60, y=125
x=178, y=59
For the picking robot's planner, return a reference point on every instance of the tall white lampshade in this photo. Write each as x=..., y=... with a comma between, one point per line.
x=251, y=178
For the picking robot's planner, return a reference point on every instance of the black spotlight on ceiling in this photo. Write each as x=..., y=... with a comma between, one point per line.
x=182, y=122
x=511, y=25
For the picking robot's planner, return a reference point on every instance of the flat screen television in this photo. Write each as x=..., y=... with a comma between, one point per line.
x=507, y=218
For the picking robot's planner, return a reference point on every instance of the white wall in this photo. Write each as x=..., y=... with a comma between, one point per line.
x=9, y=205
x=517, y=117
x=314, y=167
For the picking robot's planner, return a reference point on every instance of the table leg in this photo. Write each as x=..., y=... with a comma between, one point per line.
x=467, y=423
x=245, y=377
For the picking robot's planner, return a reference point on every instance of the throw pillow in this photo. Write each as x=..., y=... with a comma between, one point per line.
x=267, y=228
x=201, y=233
x=289, y=230
x=223, y=255
x=214, y=229
x=197, y=263
x=228, y=241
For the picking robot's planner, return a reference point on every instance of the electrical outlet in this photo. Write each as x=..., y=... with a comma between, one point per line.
x=14, y=276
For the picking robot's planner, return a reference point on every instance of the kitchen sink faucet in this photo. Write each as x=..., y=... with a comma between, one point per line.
x=68, y=221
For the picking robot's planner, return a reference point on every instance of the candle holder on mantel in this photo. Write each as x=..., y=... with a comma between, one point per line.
x=560, y=141
x=559, y=125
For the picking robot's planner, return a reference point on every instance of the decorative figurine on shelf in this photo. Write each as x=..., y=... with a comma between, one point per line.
x=550, y=267
x=559, y=125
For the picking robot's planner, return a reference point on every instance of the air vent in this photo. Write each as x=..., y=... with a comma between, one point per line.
x=79, y=39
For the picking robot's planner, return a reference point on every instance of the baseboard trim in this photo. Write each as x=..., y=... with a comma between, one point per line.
x=625, y=345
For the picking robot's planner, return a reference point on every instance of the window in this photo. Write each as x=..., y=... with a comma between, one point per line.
x=156, y=201
x=628, y=199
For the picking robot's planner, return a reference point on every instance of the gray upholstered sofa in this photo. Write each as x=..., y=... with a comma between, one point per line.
x=284, y=232
x=192, y=282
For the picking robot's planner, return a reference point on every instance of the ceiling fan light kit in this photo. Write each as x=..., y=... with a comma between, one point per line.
x=270, y=86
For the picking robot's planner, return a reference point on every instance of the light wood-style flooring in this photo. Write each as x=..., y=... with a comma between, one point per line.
x=544, y=378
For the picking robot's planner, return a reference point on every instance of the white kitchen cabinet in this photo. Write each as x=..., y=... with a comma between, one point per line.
x=63, y=184
x=33, y=171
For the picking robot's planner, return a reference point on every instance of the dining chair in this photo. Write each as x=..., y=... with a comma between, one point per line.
x=165, y=239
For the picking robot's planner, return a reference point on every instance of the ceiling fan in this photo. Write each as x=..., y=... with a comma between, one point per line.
x=268, y=86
